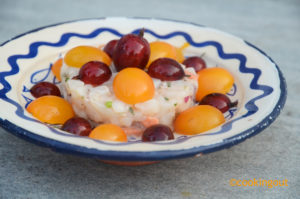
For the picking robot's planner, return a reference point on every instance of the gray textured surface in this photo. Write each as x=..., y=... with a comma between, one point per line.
x=28, y=171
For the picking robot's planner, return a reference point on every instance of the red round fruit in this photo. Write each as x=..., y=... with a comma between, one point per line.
x=219, y=101
x=131, y=51
x=94, y=73
x=196, y=62
x=157, y=132
x=78, y=126
x=109, y=48
x=45, y=88
x=166, y=69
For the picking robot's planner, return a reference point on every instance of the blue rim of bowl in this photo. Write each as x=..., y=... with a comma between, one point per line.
x=155, y=155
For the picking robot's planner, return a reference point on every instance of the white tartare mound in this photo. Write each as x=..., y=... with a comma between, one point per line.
x=100, y=105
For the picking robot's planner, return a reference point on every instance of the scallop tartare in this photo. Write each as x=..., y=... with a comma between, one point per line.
x=130, y=88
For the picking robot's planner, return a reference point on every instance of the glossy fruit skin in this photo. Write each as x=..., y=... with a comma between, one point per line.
x=198, y=119
x=219, y=101
x=133, y=85
x=196, y=62
x=161, y=49
x=77, y=126
x=108, y=132
x=51, y=109
x=80, y=55
x=94, y=73
x=109, y=48
x=213, y=80
x=131, y=51
x=158, y=132
x=43, y=89
x=55, y=68
x=166, y=69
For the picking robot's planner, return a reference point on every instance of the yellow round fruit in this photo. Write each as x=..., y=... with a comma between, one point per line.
x=51, y=109
x=198, y=119
x=56, y=67
x=80, y=55
x=108, y=132
x=160, y=49
x=213, y=80
x=133, y=85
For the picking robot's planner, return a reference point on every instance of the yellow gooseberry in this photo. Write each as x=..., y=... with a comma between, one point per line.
x=213, y=80
x=133, y=85
x=80, y=55
x=51, y=109
x=160, y=49
x=108, y=132
x=56, y=68
x=198, y=119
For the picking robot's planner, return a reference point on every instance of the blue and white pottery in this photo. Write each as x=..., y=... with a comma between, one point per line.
x=259, y=86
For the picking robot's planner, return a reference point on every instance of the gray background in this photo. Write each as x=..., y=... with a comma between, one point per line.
x=29, y=171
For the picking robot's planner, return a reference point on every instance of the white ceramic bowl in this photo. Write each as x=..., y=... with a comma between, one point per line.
x=26, y=59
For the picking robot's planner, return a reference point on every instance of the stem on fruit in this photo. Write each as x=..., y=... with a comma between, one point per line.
x=233, y=104
x=202, y=55
x=185, y=45
x=76, y=77
x=141, y=33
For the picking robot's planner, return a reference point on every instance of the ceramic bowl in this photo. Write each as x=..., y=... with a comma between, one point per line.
x=259, y=86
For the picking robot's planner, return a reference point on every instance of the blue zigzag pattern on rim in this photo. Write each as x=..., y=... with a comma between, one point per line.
x=33, y=51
